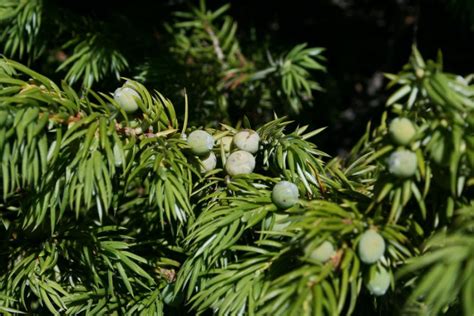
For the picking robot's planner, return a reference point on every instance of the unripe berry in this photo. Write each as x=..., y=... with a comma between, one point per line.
x=201, y=142
x=371, y=247
x=280, y=222
x=247, y=140
x=35, y=305
x=285, y=194
x=402, y=163
x=440, y=148
x=323, y=253
x=209, y=163
x=118, y=155
x=379, y=282
x=240, y=162
x=127, y=99
x=402, y=131
x=226, y=142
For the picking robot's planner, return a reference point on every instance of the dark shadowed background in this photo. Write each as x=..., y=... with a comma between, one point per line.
x=363, y=39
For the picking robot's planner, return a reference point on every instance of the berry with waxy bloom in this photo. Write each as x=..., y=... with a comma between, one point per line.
x=240, y=162
x=402, y=163
x=127, y=98
x=226, y=143
x=285, y=194
x=402, y=131
x=200, y=142
x=247, y=140
x=323, y=252
x=280, y=222
x=378, y=282
x=371, y=246
x=209, y=163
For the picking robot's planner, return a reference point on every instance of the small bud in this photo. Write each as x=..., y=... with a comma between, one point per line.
x=247, y=140
x=419, y=73
x=240, y=162
x=371, y=247
x=285, y=194
x=402, y=163
x=201, y=142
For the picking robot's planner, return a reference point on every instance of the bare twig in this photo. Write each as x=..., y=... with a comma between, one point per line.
x=216, y=44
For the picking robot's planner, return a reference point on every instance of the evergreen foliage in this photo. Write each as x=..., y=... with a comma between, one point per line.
x=201, y=52
x=106, y=212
